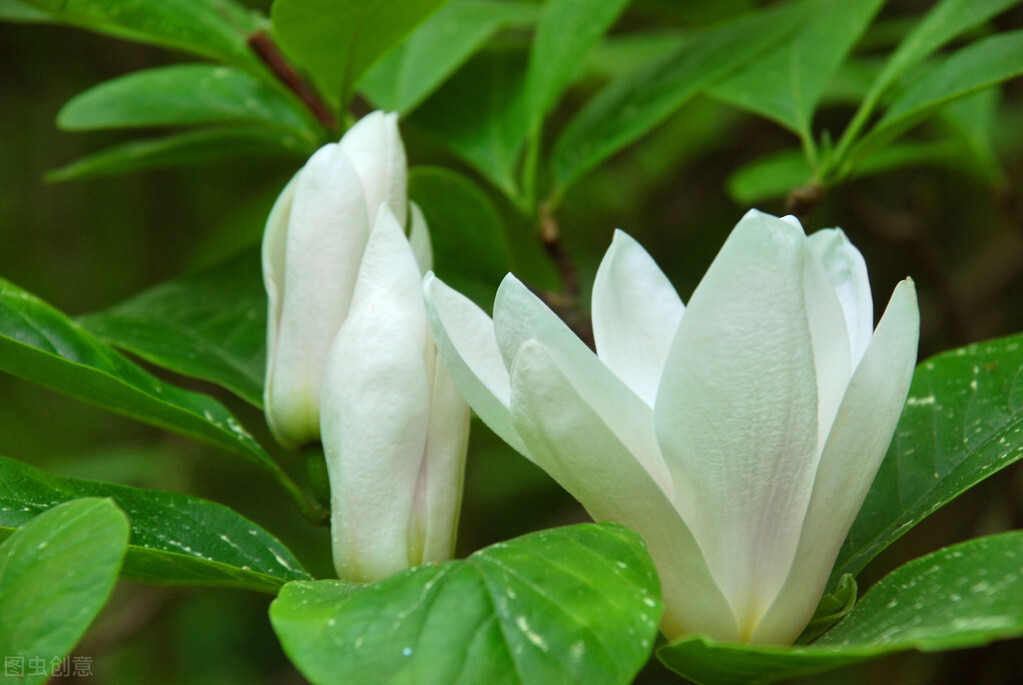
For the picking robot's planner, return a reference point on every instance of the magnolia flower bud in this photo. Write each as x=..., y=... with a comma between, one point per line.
x=312, y=249
x=394, y=425
x=738, y=435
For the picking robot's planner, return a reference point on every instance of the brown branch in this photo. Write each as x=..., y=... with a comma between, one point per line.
x=801, y=201
x=267, y=50
x=565, y=303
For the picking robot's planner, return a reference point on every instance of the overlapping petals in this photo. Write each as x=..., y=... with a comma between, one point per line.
x=738, y=434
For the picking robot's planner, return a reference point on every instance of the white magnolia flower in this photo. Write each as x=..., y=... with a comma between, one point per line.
x=394, y=426
x=312, y=248
x=738, y=435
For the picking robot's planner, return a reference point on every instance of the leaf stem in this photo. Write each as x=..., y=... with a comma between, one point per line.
x=264, y=47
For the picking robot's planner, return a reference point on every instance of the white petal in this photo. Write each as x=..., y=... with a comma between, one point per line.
x=374, y=146
x=831, y=351
x=736, y=414
x=576, y=447
x=419, y=239
x=519, y=316
x=467, y=347
x=389, y=265
x=847, y=273
x=273, y=251
x=859, y=439
x=635, y=315
x=327, y=231
x=439, y=492
x=376, y=400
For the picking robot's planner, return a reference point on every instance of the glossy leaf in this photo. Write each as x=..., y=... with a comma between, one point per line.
x=631, y=105
x=570, y=605
x=470, y=250
x=479, y=115
x=567, y=31
x=209, y=325
x=192, y=147
x=409, y=73
x=175, y=539
x=41, y=345
x=963, y=421
x=185, y=94
x=212, y=28
x=336, y=41
x=946, y=20
x=787, y=83
x=962, y=596
x=981, y=65
x=56, y=573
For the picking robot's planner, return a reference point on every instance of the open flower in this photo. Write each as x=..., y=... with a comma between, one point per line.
x=738, y=435
x=312, y=248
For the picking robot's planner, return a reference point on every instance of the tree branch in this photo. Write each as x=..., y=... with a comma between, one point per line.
x=267, y=50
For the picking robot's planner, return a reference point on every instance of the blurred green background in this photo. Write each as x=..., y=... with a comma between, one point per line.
x=86, y=245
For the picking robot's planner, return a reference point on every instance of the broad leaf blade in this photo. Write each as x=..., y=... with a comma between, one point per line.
x=470, y=249
x=192, y=147
x=981, y=65
x=209, y=325
x=961, y=424
x=336, y=41
x=175, y=539
x=56, y=573
x=945, y=21
x=216, y=29
x=787, y=83
x=41, y=345
x=567, y=31
x=633, y=104
x=479, y=114
x=962, y=596
x=408, y=74
x=185, y=94
x=571, y=605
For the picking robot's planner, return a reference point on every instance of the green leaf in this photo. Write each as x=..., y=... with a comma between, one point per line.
x=962, y=423
x=770, y=176
x=978, y=66
x=946, y=20
x=185, y=94
x=777, y=174
x=408, y=74
x=619, y=54
x=192, y=147
x=973, y=119
x=175, y=539
x=567, y=31
x=19, y=12
x=336, y=41
x=631, y=105
x=216, y=29
x=570, y=605
x=56, y=573
x=787, y=83
x=479, y=115
x=962, y=596
x=470, y=249
x=832, y=608
x=42, y=345
x=209, y=325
